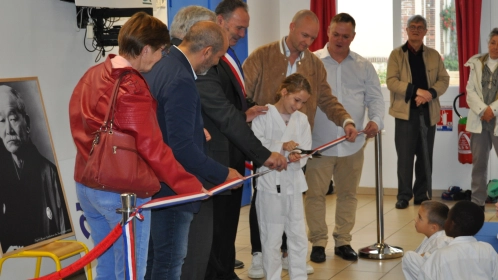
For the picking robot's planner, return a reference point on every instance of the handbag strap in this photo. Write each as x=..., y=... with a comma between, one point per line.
x=112, y=103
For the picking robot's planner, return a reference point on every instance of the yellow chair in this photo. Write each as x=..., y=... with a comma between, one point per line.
x=57, y=250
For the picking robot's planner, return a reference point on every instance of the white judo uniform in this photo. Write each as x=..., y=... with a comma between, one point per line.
x=412, y=260
x=463, y=258
x=282, y=211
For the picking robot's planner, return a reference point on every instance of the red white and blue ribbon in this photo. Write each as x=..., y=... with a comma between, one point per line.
x=129, y=251
x=127, y=228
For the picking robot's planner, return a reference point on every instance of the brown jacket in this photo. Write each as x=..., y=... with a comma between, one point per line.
x=399, y=78
x=266, y=68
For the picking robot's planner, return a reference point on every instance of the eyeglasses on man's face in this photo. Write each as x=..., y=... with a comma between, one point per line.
x=420, y=28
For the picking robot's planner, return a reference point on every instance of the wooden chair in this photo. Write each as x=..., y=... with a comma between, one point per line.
x=57, y=250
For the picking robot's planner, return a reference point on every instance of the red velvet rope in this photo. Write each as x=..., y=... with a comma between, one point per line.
x=87, y=258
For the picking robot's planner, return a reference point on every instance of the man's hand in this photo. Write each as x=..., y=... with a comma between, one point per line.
x=419, y=100
x=206, y=192
x=207, y=135
x=255, y=111
x=233, y=174
x=351, y=132
x=371, y=129
x=276, y=161
x=487, y=115
x=423, y=96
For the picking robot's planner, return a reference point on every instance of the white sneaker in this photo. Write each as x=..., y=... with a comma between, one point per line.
x=285, y=265
x=256, y=269
x=309, y=269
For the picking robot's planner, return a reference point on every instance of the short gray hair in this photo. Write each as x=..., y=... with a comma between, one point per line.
x=493, y=33
x=20, y=105
x=186, y=17
x=415, y=19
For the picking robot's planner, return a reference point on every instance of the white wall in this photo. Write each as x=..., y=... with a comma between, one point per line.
x=40, y=38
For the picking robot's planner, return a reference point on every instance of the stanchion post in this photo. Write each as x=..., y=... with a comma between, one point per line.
x=128, y=201
x=380, y=250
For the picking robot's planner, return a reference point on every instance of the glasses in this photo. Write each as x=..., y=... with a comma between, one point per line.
x=416, y=28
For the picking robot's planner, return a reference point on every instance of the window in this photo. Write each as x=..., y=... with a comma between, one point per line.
x=380, y=27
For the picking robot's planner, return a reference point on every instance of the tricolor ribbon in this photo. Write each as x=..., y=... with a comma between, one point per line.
x=127, y=228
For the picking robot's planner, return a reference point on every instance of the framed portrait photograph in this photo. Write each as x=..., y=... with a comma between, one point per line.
x=33, y=208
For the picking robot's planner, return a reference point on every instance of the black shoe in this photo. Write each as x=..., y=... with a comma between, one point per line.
x=331, y=188
x=346, y=252
x=238, y=264
x=317, y=254
x=401, y=204
x=419, y=201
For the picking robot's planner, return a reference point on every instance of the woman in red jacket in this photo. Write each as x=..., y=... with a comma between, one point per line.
x=142, y=42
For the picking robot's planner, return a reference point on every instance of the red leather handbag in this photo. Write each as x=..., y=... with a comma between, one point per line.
x=114, y=164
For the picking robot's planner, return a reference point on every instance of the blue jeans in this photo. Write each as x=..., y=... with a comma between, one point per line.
x=100, y=212
x=168, y=243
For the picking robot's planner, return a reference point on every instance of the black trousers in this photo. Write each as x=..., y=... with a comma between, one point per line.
x=226, y=213
x=408, y=140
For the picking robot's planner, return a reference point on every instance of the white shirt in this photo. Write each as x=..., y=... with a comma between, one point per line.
x=291, y=68
x=356, y=85
x=463, y=258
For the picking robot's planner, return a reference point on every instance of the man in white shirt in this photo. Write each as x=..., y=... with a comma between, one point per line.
x=354, y=81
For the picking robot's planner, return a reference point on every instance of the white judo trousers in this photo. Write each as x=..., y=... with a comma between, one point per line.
x=278, y=213
x=413, y=260
x=282, y=211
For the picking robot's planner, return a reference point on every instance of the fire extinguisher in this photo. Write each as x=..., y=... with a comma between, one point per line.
x=464, y=152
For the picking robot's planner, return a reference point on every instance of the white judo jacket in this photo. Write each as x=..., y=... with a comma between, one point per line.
x=272, y=132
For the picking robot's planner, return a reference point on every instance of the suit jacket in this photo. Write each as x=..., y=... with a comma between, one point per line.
x=222, y=102
x=172, y=83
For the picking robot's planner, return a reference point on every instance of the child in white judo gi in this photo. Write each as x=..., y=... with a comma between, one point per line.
x=280, y=202
x=430, y=222
x=464, y=257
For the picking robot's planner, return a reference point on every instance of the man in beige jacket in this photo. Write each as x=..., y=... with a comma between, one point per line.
x=416, y=77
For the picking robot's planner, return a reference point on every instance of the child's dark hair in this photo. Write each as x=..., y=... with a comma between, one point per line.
x=467, y=218
x=437, y=212
x=294, y=83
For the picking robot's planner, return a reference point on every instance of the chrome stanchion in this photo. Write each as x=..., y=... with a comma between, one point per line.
x=128, y=201
x=380, y=250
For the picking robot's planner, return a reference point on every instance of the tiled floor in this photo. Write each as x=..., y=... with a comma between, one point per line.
x=399, y=231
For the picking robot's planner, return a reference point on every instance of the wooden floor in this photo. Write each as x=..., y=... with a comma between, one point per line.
x=399, y=230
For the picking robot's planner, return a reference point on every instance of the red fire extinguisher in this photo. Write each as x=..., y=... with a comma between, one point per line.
x=464, y=153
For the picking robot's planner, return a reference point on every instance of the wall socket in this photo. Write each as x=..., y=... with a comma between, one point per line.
x=89, y=31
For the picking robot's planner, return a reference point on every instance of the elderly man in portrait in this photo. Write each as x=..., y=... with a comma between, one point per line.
x=32, y=206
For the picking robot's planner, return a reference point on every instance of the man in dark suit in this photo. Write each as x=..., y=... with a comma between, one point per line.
x=172, y=82
x=225, y=113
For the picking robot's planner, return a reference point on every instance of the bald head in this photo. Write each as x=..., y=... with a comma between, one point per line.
x=205, y=34
x=303, y=30
x=204, y=45
x=302, y=14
